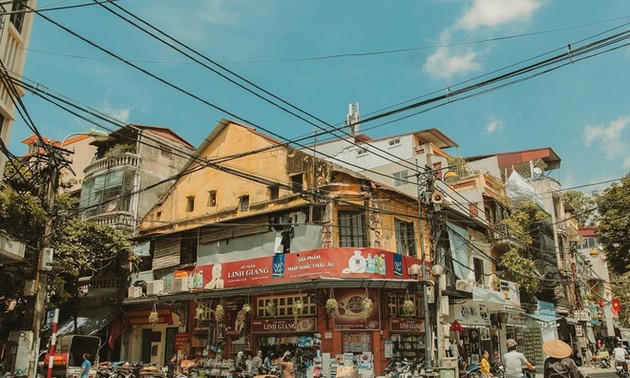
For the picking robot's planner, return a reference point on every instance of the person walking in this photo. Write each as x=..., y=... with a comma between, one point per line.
x=514, y=362
x=558, y=363
x=288, y=370
x=484, y=366
x=85, y=366
x=171, y=366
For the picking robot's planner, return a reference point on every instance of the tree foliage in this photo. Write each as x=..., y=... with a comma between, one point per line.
x=614, y=224
x=621, y=289
x=519, y=259
x=81, y=248
x=583, y=206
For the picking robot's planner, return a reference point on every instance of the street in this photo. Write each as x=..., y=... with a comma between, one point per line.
x=599, y=373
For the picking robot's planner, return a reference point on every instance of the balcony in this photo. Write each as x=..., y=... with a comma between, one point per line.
x=125, y=159
x=103, y=285
x=122, y=220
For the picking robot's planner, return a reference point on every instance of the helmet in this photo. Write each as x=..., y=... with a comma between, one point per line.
x=511, y=343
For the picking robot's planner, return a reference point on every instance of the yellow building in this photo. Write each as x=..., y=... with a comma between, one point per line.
x=256, y=237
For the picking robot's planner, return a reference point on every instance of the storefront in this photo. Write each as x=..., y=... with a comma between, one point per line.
x=475, y=335
x=282, y=303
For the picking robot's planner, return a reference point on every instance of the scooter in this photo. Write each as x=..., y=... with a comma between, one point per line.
x=621, y=369
x=497, y=370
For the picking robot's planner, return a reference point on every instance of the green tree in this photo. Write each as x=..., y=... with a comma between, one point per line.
x=519, y=260
x=583, y=206
x=621, y=289
x=81, y=248
x=613, y=206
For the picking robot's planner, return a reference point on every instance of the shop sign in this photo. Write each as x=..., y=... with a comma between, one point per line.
x=510, y=292
x=350, y=314
x=516, y=318
x=284, y=325
x=165, y=316
x=292, y=267
x=180, y=339
x=406, y=325
x=472, y=314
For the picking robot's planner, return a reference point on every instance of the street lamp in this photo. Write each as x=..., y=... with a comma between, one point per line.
x=99, y=135
x=52, y=186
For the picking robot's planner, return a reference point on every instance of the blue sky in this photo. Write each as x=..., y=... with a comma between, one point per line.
x=581, y=110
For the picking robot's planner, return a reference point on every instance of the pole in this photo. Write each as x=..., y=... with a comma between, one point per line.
x=428, y=339
x=53, y=341
x=41, y=277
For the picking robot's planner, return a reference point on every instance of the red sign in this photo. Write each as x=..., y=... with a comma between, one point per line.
x=180, y=339
x=350, y=311
x=292, y=267
x=406, y=325
x=165, y=316
x=284, y=325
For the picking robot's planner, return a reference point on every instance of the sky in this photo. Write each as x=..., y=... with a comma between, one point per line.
x=323, y=55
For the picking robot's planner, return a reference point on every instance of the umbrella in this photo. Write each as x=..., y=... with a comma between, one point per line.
x=455, y=326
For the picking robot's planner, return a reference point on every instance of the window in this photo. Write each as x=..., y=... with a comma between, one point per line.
x=188, y=248
x=244, y=203
x=296, y=183
x=478, y=266
x=274, y=192
x=107, y=192
x=158, y=215
x=400, y=178
x=394, y=142
x=352, y=231
x=589, y=242
x=362, y=151
x=17, y=15
x=282, y=306
x=212, y=198
x=405, y=238
x=190, y=203
x=395, y=305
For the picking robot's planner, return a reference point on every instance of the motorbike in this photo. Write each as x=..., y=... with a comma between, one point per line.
x=497, y=370
x=472, y=371
x=621, y=369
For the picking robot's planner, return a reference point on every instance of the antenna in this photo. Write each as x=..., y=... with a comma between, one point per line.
x=353, y=118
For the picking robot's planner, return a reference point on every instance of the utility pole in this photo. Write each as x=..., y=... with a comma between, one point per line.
x=425, y=183
x=41, y=275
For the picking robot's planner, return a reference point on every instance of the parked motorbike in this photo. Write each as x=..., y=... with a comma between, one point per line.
x=472, y=371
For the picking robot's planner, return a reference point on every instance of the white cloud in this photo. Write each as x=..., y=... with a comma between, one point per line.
x=447, y=62
x=493, y=125
x=609, y=136
x=121, y=114
x=493, y=13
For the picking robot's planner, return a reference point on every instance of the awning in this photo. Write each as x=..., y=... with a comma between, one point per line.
x=88, y=322
x=543, y=318
x=494, y=299
x=318, y=283
x=624, y=332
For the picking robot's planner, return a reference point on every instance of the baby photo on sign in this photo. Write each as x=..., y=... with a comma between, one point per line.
x=485, y=334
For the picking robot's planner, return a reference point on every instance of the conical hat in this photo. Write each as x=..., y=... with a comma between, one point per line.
x=557, y=349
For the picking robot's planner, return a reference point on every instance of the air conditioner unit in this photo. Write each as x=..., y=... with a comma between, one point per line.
x=180, y=284
x=134, y=292
x=463, y=285
x=155, y=287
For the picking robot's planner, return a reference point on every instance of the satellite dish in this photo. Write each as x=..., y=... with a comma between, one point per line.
x=538, y=171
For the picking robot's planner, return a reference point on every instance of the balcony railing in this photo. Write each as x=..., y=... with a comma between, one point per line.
x=100, y=283
x=125, y=159
x=121, y=220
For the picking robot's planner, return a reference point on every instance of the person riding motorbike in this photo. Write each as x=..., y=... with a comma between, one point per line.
x=620, y=355
x=559, y=363
x=515, y=361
